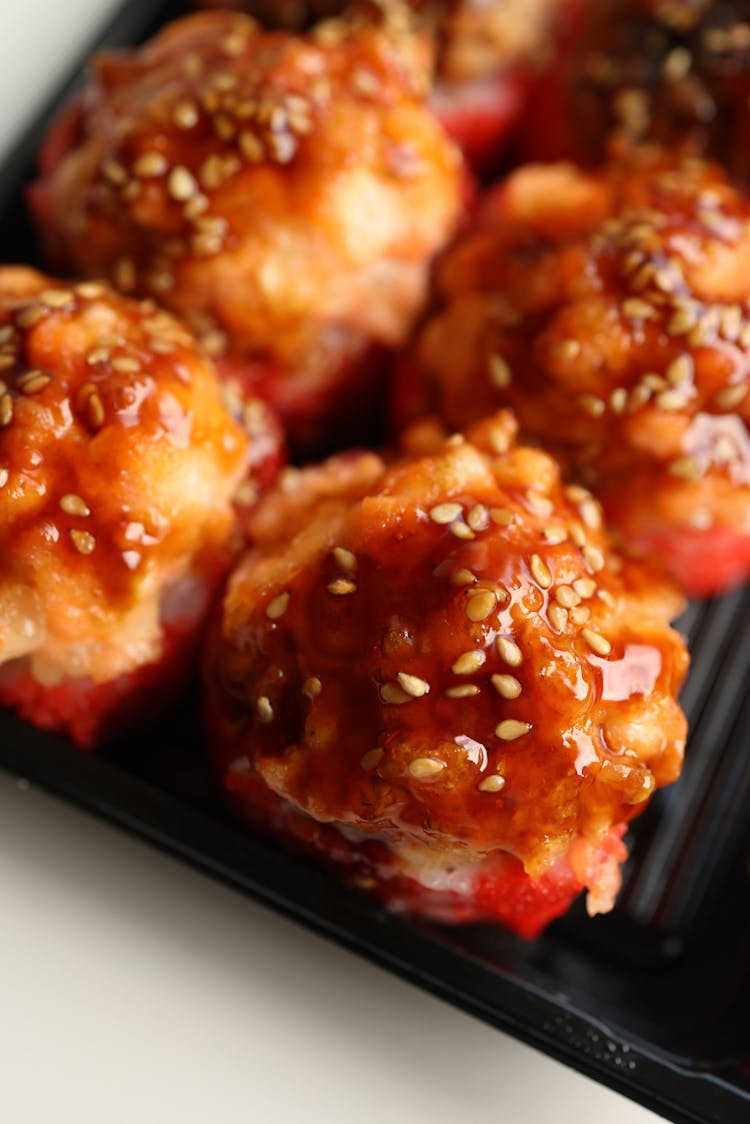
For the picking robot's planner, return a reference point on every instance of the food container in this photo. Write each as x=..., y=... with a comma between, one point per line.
x=652, y=1000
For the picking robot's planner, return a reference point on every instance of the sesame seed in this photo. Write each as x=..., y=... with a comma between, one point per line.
x=499, y=440
x=423, y=767
x=83, y=541
x=370, y=760
x=576, y=534
x=499, y=372
x=114, y=171
x=501, y=515
x=607, y=598
x=150, y=164
x=677, y=64
x=510, y=729
x=585, y=587
x=509, y=651
x=540, y=571
x=480, y=605
x=394, y=695
x=57, y=298
x=462, y=691
x=4, y=476
x=724, y=450
x=684, y=468
x=312, y=687
x=580, y=614
x=730, y=397
x=671, y=400
x=6, y=410
x=478, y=518
x=72, y=504
x=637, y=309
x=445, y=513
x=461, y=530
x=493, y=783
x=591, y=513
x=566, y=596
x=596, y=642
x=507, y=686
x=554, y=535
x=181, y=184
x=251, y=147
x=33, y=381
x=7, y=361
x=731, y=321
x=558, y=617
x=539, y=504
x=97, y=355
x=346, y=560
x=618, y=400
x=569, y=349
x=264, y=709
x=593, y=557
x=463, y=577
x=592, y=405
x=125, y=364
x=7, y=333
x=185, y=115
x=95, y=410
x=468, y=662
x=276, y=608
x=682, y=322
x=340, y=587
x=654, y=381
x=413, y=685
x=31, y=315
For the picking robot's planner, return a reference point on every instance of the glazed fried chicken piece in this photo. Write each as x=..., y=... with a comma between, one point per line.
x=677, y=73
x=611, y=310
x=284, y=192
x=118, y=465
x=436, y=677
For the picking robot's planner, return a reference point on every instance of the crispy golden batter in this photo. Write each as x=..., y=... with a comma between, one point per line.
x=284, y=192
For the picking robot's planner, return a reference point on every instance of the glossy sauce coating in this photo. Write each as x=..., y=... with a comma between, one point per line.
x=648, y=70
x=118, y=464
x=283, y=192
x=612, y=311
x=442, y=660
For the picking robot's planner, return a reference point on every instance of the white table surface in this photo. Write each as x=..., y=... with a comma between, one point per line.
x=134, y=990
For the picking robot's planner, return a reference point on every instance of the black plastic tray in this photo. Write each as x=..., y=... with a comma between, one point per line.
x=653, y=1000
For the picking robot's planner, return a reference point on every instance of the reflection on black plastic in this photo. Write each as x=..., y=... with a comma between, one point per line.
x=652, y=1000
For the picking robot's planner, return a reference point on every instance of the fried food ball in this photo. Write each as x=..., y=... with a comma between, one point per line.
x=611, y=310
x=649, y=70
x=118, y=464
x=284, y=192
x=436, y=677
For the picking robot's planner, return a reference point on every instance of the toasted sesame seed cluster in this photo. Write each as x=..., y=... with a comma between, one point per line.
x=611, y=310
x=285, y=193
x=438, y=675
x=677, y=73
x=118, y=464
